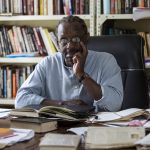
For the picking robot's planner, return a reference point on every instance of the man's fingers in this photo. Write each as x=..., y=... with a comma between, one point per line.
x=84, y=48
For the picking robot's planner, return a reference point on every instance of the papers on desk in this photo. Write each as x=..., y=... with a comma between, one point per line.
x=144, y=141
x=19, y=135
x=126, y=114
x=4, y=113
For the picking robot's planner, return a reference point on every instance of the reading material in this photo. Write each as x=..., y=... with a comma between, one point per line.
x=99, y=137
x=49, y=111
x=39, y=125
x=126, y=114
x=18, y=136
x=52, y=141
x=141, y=13
x=144, y=141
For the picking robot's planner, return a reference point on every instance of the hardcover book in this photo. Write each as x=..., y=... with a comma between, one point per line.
x=52, y=141
x=39, y=125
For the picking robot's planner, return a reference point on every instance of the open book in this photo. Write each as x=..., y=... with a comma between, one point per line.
x=50, y=111
x=126, y=114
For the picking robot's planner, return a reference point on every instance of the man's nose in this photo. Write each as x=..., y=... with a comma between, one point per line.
x=70, y=44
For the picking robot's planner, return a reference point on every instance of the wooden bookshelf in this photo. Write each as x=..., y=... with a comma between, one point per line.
x=48, y=21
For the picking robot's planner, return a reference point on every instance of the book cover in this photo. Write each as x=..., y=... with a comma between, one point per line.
x=53, y=141
x=39, y=125
x=5, y=132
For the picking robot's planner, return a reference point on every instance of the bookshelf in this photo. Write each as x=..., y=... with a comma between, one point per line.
x=48, y=21
x=120, y=20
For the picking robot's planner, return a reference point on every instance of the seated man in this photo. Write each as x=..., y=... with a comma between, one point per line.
x=75, y=75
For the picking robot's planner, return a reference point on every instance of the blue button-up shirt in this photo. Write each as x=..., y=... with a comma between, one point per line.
x=52, y=80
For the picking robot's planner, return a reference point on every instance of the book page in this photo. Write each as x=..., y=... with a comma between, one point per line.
x=18, y=136
x=129, y=111
x=120, y=115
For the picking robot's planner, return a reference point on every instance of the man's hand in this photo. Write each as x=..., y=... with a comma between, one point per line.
x=74, y=102
x=79, y=61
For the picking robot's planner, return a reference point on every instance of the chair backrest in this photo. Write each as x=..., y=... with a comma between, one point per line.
x=129, y=53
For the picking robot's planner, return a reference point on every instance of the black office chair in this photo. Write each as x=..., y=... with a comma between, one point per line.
x=128, y=51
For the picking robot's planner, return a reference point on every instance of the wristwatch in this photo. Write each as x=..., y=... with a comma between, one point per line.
x=85, y=75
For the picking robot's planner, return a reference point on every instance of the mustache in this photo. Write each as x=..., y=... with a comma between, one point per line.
x=71, y=51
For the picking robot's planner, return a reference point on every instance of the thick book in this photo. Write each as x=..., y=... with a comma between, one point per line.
x=126, y=114
x=99, y=137
x=53, y=141
x=71, y=113
x=141, y=13
x=39, y=125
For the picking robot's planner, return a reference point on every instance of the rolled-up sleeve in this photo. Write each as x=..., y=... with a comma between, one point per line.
x=112, y=86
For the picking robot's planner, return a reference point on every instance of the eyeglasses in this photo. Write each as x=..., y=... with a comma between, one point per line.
x=65, y=41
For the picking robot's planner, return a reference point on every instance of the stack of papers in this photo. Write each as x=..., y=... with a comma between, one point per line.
x=19, y=135
x=4, y=113
x=124, y=115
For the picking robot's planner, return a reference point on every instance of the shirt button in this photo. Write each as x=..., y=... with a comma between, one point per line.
x=76, y=87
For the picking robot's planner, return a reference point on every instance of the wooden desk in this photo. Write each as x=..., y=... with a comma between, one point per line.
x=33, y=144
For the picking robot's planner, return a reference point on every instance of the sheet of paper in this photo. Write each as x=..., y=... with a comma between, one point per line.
x=19, y=135
x=144, y=141
x=79, y=131
x=4, y=113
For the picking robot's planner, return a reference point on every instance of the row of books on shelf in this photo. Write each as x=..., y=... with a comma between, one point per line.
x=16, y=39
x=11, y=78
x=109, y=29
x=43, y=7
x=122, y=6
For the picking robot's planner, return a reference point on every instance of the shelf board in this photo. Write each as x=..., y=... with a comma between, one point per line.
x=20, y=60
x=6, y=101
x=38, y=17
x=117, y=16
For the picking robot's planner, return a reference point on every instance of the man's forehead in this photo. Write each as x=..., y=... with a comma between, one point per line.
x=70, y=26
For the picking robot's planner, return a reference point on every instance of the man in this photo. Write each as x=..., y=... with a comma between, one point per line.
x=74, y=76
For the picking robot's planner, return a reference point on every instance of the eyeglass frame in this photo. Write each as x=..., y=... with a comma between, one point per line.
x=74, y=40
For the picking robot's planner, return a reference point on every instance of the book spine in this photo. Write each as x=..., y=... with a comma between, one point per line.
x=50, y=7
x=36, y=10
x=106, y=6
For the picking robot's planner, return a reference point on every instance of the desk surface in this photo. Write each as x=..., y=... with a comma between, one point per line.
x=33, y=144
